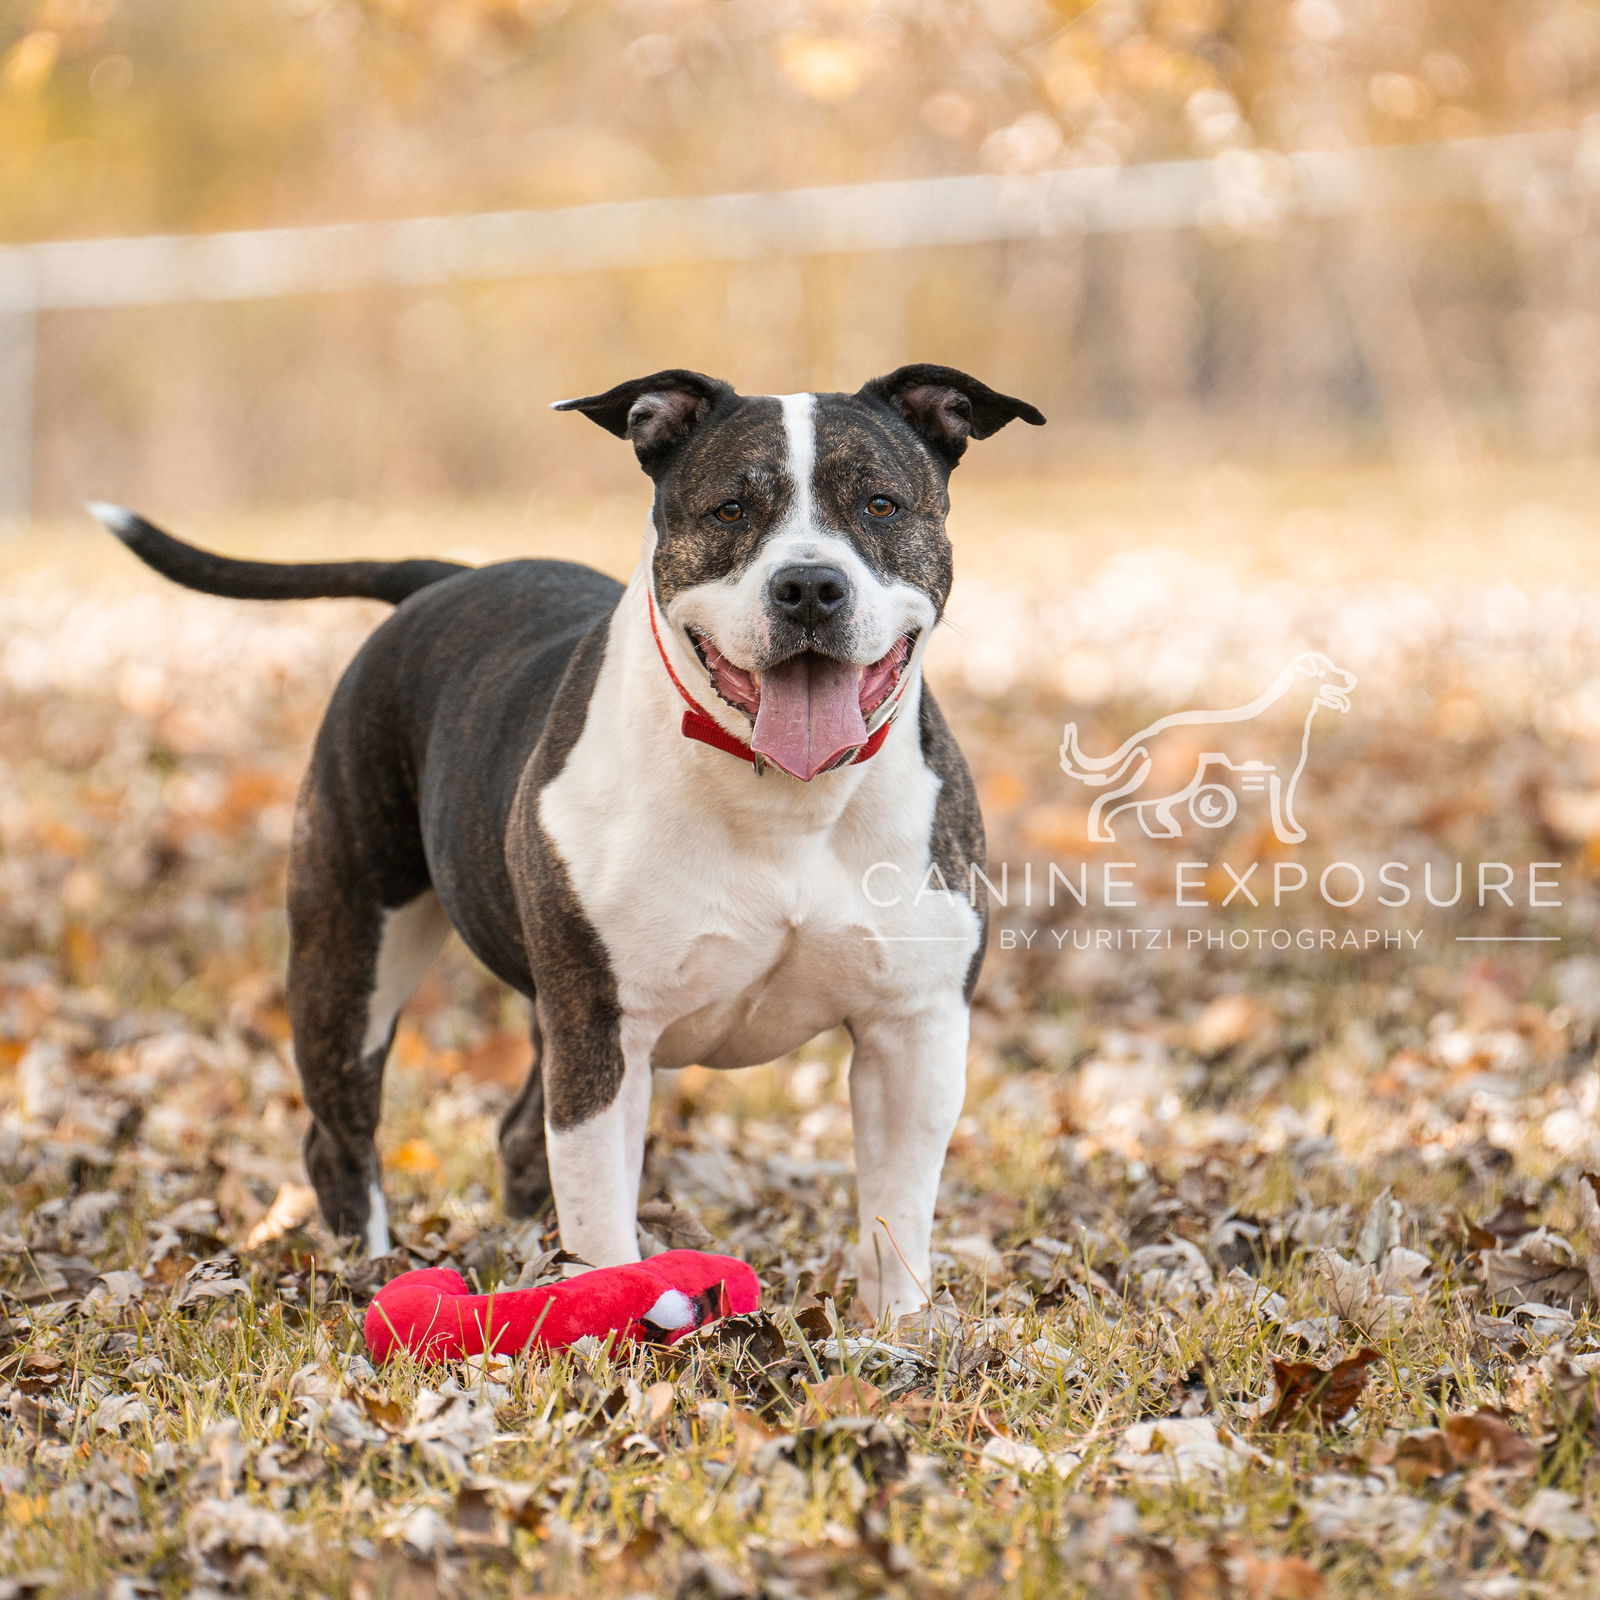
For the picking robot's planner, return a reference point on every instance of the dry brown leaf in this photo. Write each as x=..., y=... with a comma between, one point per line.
x=749, y=1432
x=42, y=1371
x=675, y=1227
x=1188, y=1570
x=1321, y=1395
x=1420, y=1457
x=477, y=1516
x=294, y=1205
x=388, y=1414
x=841, y=1396
x=1480, y=1438
x=1541, y=1266
x=1512, y=1218
x=1227, y=1022
x=1276, y=1578
x=415, y=1157
x=657, y=1403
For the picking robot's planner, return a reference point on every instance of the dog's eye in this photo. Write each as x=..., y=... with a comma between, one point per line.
x=729, y=511
x=880, y=506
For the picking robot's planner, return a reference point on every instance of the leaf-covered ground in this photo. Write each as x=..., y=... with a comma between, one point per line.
x=1265, y=1271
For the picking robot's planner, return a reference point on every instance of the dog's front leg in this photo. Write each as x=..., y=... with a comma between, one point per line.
x=596, y=1118
x=908, y=1077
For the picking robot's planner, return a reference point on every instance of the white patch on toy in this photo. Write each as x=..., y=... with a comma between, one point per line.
x=672, y=1311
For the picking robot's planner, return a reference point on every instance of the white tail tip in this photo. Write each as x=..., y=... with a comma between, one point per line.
x=119, y=519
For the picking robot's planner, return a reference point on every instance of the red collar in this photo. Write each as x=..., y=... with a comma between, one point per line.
x=697, y=725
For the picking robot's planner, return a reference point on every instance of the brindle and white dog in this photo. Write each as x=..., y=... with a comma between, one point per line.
x=669, y=813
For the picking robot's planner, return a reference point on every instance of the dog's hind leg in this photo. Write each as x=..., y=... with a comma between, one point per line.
x=356, y=953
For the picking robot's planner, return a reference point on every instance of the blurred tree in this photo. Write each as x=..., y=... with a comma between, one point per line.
x=116, y=116
x=131, y=116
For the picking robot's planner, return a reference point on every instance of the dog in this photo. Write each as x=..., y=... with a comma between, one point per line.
x=652, y=809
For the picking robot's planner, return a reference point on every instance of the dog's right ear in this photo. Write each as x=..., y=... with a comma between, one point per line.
x=657, y=413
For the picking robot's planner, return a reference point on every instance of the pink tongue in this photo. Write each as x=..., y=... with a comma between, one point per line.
x=810, y=714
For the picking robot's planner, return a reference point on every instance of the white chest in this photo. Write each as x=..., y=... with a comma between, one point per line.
x=738, y=929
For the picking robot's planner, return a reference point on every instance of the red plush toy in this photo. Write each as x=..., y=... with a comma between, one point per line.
x=436, y=1317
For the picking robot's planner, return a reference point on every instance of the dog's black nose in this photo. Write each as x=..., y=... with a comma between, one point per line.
x=806, y=594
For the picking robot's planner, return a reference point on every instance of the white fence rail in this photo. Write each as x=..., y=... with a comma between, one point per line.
x=1241, y=191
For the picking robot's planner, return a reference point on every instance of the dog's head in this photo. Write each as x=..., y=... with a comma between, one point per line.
x=799, y=539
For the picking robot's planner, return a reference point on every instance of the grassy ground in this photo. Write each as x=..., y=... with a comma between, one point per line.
x=1266, y=1272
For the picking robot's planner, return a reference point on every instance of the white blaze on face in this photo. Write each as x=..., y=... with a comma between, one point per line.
x=800, y=464
x=732, y=611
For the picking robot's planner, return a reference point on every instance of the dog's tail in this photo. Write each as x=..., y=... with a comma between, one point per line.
x=199, y=569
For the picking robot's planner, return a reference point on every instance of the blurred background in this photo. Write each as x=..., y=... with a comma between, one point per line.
x=1310, y=293
x=1424, y=292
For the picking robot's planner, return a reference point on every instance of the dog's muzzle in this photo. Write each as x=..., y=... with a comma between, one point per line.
x=812, y=712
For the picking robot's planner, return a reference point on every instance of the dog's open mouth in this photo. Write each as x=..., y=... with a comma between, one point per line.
x=811, y=709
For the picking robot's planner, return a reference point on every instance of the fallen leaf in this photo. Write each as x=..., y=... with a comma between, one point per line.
x=1013, y=1453
x=1179, y=1449
x=842, y=1396
x=1542, y=1266
x=294, y=1205
x=1380, y=1230
x=42, y=1371
x=477, y=1517
x=1377, y=1300
x=1555, y=1514
x=213, y=1279
x=1481, y=1438
x=387, y=1414
x=416, y=1158
x=1277, y=1578
x=423, y=1531
x=546, y=1266
x=657, y=1403
x=344, y=1425
x=116, y=1411
x=1512, y=1218
x=675, y=1227
x=1422, y=1456
x=232, y=1538
x=892, y=1367
x=1328, y=1394
x=449, y=1428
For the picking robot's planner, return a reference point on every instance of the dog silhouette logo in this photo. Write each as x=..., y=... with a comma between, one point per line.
x=1169, y=772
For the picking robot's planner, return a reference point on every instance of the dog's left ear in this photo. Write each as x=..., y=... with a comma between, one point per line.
x=656, y=413
x=947, y=407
